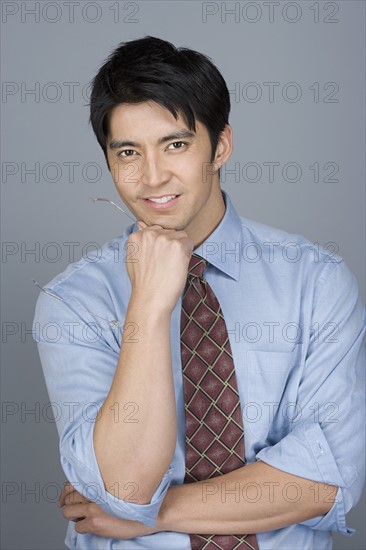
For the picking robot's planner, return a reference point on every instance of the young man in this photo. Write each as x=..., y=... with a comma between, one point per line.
x=270, y=329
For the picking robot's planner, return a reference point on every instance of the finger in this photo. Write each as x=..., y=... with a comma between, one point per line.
x=75, y=498
x=154, y=226
x=81, y=526
x=177, y=234
x=166, y=230
x=74, y=512
x=77, y=520
x=143, y=225
x=68, y=488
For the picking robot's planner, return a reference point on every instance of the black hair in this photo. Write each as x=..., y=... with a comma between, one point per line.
x=183, y=81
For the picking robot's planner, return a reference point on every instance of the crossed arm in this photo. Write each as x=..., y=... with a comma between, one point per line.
x=251, y=499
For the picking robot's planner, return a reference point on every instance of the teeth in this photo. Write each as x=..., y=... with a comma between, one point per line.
x=163, y=199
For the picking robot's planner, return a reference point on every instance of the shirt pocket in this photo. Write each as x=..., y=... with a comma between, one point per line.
x=268, y=409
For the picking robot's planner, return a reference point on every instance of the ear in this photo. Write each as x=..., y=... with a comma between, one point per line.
x=224, y=147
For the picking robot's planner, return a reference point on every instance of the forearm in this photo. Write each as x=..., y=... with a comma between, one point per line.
x=135, y=432
x=251, y=499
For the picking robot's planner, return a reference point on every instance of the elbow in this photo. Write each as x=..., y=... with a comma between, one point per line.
x=327, y=499
x=136, y=485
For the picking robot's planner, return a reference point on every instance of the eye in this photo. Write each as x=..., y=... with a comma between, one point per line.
x=128, y=151
x=180, y=143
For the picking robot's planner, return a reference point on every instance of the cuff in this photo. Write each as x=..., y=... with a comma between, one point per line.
x=81, y=468
x=305, y=452
x=334, y=520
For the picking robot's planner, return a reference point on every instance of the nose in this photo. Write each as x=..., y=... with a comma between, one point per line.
x=154, y=171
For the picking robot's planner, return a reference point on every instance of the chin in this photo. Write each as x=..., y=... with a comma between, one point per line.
x=167, y=225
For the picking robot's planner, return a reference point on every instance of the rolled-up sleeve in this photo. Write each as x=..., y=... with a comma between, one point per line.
x=326, y=442
x=78, y=363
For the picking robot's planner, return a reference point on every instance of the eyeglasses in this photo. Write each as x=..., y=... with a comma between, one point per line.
x=95, y=199
x=114, y=322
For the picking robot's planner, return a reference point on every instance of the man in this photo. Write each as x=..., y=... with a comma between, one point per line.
x=294, y=327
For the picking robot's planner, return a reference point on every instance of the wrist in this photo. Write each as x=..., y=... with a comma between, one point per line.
x=149, y=306
x=163, y=523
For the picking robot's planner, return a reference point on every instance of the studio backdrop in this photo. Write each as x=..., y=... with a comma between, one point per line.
x=296, y=75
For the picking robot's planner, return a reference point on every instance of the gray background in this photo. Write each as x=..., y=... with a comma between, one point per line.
x=46, y=50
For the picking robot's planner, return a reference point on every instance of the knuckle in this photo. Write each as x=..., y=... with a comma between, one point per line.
x=66, y=512
x=177, y=245
x=79, y=528
x=66, y=487
x=148, y=235
x=90, y=508
x=132, y=239
x=96, y=524
x=162, y=238
x=70, y=498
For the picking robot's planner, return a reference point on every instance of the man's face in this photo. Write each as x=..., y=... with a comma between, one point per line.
x=152, y=155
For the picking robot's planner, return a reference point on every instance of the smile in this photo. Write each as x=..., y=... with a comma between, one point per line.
x=165, y=201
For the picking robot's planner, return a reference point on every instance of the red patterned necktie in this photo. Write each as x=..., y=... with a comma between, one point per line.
x=214, y=427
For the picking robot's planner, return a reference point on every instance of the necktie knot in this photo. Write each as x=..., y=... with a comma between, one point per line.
x=197, y=265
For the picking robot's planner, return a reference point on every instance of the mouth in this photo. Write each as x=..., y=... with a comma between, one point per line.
x=162, y=202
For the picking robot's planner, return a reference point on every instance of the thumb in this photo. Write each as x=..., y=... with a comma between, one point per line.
x=141, y=224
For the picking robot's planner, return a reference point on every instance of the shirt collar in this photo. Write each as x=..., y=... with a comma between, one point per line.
x=222, y=247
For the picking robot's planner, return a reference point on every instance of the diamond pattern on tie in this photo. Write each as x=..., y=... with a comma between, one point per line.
x=214, y=426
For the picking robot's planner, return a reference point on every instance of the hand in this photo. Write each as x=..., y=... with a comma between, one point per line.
x=90, y=518
x=160, y=272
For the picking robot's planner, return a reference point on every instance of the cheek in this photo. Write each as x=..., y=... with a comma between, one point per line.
x=203, y=171
x=113, y=167
x=120, y=176
x=126, y=176
x=194, y=174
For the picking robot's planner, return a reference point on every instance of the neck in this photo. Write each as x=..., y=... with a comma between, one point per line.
x=205, y=229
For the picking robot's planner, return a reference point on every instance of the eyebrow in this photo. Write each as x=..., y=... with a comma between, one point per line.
x=181, y=134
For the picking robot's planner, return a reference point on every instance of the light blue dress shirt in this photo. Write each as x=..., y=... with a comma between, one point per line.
x=296, y=325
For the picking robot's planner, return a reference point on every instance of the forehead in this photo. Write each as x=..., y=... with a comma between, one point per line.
x=147, y=118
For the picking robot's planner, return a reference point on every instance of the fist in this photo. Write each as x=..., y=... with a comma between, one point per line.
x=158, y=265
